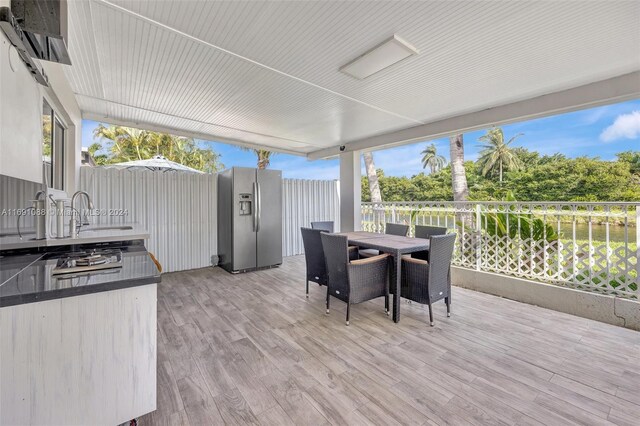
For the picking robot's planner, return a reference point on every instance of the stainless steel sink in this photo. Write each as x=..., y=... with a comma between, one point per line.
x=107, y=228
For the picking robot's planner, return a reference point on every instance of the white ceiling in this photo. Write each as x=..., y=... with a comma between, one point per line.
x=267, y=73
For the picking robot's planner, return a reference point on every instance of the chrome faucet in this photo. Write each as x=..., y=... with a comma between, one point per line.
x=40, y=221
x=73, y=224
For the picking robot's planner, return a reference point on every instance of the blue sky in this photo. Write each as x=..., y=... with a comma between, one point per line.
x=601, y=131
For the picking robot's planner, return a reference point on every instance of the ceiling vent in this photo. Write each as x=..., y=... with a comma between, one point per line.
x=382, y=56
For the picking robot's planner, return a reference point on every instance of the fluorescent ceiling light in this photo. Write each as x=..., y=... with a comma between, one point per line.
x=380, y=57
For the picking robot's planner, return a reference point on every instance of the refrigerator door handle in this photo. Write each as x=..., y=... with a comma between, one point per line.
x=258, y=206
x=255, y=207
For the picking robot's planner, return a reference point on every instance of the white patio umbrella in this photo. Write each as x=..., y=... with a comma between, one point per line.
x=157, y=162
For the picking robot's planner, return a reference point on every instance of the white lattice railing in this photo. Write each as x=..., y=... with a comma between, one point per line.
x=587, y=246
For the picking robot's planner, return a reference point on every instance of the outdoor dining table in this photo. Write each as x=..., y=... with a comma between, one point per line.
x=394, y=245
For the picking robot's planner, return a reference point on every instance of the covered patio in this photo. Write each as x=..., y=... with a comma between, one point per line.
x=251, y=349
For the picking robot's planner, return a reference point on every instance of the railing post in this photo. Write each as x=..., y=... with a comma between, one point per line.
x=479, y=239
x=638, y=250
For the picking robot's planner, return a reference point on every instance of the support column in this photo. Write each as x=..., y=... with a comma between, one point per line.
x=350, y=191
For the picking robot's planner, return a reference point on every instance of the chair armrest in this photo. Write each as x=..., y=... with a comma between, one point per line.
x=353, y=253
x=368, y=260
x=368, y=278
x=412, y=267
x=414, y=260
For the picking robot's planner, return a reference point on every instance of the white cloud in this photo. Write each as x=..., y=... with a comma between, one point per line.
x=592, y=116
x=626, y=126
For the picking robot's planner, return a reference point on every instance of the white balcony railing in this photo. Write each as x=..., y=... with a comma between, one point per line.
x=587, y=246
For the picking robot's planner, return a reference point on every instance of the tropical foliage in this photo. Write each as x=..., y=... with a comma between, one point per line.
x=517, y=225
x=541, y=178
x=497, y=155
x=431, y=159
x=46, y=135
x=632, y=158
x=128, y=144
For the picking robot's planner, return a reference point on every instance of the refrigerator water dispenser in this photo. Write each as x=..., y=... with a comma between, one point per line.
x=245, y=205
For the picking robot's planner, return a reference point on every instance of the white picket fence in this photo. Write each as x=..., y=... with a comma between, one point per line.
x=587, y=246
x=180, y=210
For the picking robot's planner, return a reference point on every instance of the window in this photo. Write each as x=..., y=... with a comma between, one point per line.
x=53, y=140
x=47, y=143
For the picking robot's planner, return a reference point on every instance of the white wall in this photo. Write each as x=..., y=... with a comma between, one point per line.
x=21, y=117
x=303, y=202
x=180, y=210
x=350, y=191
x=600, y=307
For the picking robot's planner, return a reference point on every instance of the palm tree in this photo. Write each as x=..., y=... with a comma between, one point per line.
x=374, y=190
x=127, y=143
x=372, y=177
x=497, y=153
x=431, y=158
x=458, y=174
x=263, y=157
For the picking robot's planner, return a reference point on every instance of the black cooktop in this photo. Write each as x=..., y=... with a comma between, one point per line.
x=29, y=277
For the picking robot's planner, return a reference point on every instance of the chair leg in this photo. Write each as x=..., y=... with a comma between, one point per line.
x=448, y=302
x=431, y=315
x=348, y=311
x=328, y=299
x=307, y=289
x=386, y=304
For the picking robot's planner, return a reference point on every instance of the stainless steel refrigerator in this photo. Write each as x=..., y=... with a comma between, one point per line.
x=249, y=219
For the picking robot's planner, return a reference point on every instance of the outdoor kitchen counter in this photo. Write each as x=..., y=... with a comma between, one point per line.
x=78, y=348
x=88, y=235
x=27, y=278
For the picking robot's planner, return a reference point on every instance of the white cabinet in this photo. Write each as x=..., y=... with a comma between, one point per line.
x=87, y=359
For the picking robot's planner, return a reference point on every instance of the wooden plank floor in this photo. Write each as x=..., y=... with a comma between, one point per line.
x=251, y=349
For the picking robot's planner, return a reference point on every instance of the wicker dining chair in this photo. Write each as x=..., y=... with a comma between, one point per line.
x=325, y=226
x=425, y=231
x=314, y=256
x=427, y=282
x=389, y=229
x=396, y=229
x=354, y=281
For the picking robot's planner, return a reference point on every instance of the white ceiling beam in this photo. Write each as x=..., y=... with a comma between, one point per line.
x=191, y=120
x=616, y=89
x=188, y=134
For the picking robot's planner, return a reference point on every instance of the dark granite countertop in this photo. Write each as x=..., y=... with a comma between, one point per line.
x=27, y=277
